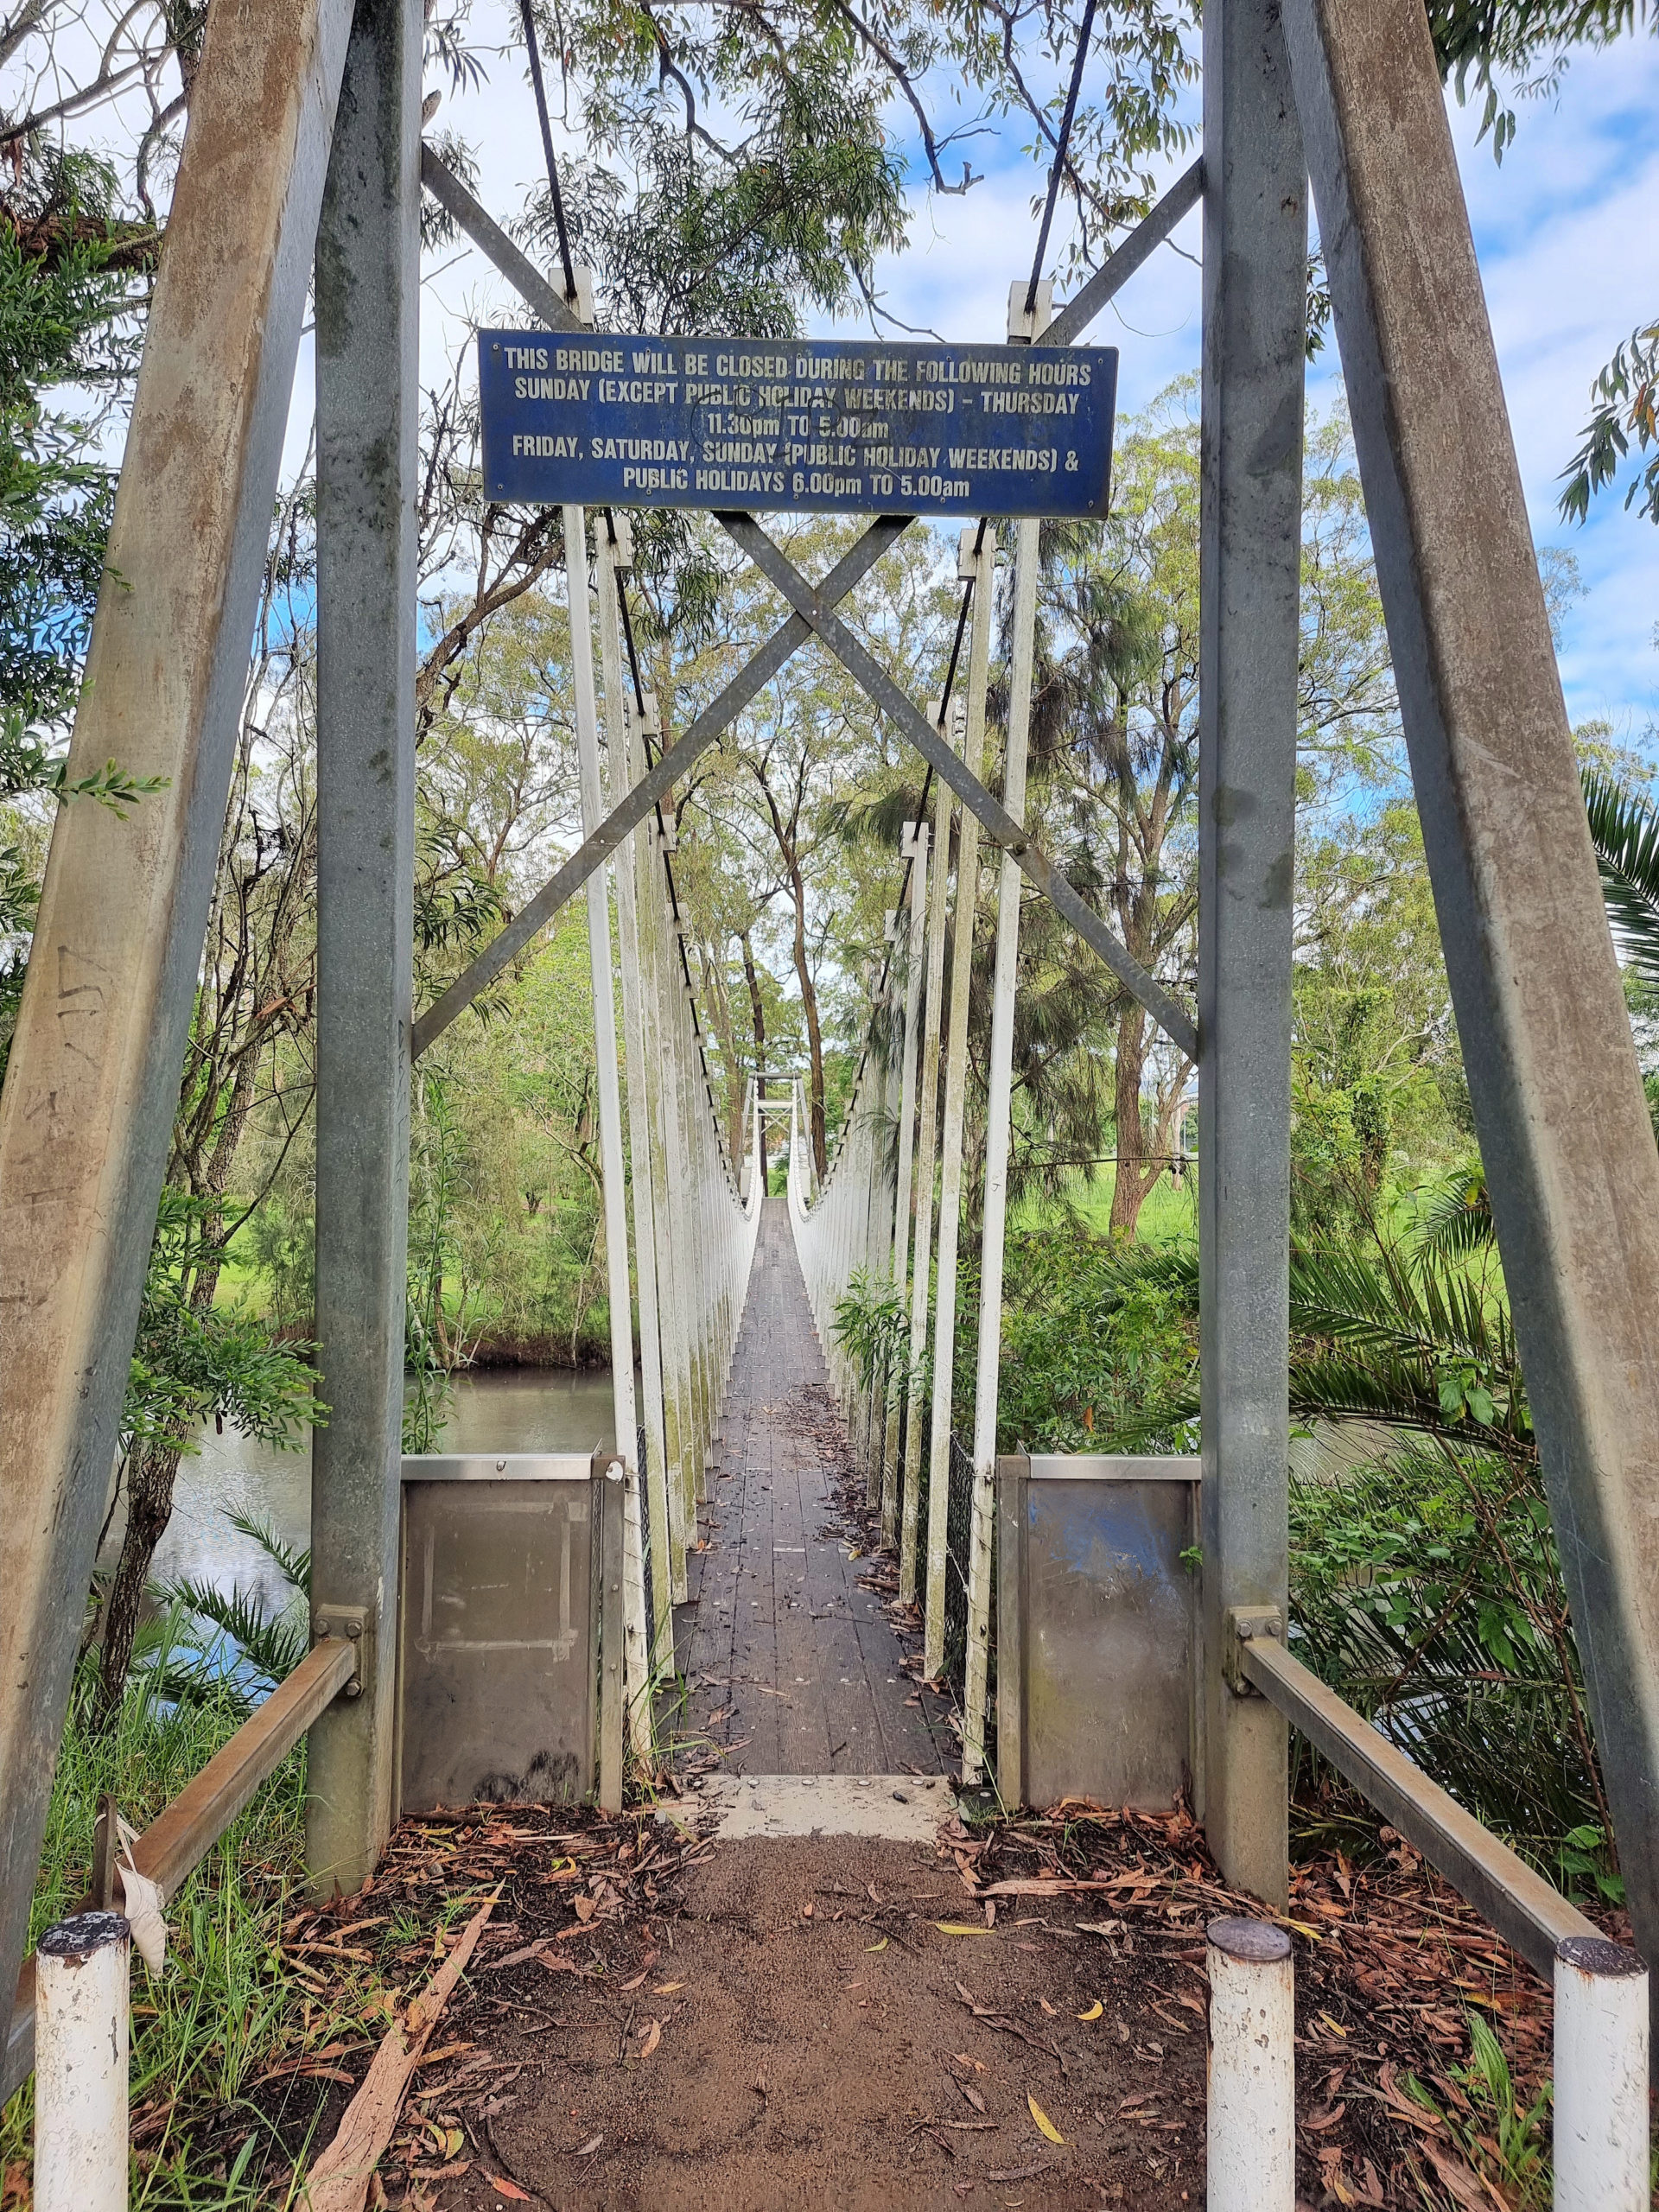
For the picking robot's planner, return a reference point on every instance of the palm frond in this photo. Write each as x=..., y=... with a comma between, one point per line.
x=1458, y=1217
x=266, y=1647
x=293, y=1563
x=1624, y=831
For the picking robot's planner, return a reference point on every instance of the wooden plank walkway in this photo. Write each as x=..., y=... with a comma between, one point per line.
x=793, y=1668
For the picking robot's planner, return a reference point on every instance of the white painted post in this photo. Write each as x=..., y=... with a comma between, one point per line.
x=927, y=1144
x=915, y=848
x=615, y=555
x=980, y=566
x=81, y=2004
x=636, y=1670
x=998, y=1105
x=1250, y=2149
x=665, y=1157
x=1601, y=2077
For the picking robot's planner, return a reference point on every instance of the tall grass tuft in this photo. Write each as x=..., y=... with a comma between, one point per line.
x=228, y=2006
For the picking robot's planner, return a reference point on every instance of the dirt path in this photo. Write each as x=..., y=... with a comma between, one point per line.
x=793, y=1665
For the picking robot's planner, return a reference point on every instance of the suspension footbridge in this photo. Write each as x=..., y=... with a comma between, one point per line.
x=677, y=1551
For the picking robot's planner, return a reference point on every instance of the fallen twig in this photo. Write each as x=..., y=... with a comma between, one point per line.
x=338, y=2182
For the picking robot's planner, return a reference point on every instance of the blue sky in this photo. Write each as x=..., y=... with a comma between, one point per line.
x=1569, y=252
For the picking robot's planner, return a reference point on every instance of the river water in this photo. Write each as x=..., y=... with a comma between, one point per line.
x=519, y=1409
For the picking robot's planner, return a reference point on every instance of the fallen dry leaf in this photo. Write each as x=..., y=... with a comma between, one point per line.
x=882, y=1946
x=1464, y=2185
x=1045, y=2124
x=654, y=2036
x=585, y=1907
x=1094, y=2012
x=634, y=1984
x=664, y=1989
x=509, y=2189
x=959, y=1928
x=588, y=2148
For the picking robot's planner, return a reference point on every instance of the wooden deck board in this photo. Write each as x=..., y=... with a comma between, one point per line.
x=798, y=1662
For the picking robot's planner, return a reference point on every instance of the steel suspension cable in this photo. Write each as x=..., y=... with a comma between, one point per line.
x=1061, y=146
x=534, y=48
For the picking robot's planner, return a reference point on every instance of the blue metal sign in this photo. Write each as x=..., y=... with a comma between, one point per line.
x=809, y=425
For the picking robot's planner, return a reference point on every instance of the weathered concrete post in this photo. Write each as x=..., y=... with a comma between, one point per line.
x=368, y=316
x=615, y=556
x=602, y=974
x=93, y=1083
x=1553, y=1076
x=1254, y=292
x=1601, y=2154
x=1027, y=327
x=913, y=847
x=82, y=2020
x=1250, y=2130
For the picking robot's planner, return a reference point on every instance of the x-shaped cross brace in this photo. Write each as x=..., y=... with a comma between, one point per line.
x=814, y=615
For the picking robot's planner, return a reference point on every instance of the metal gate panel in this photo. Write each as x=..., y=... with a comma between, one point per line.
x=1095, y=1665
x=498, y=1631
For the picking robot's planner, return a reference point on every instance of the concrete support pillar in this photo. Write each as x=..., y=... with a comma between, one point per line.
x=998, y=1101
x=614, y=558
x=1553, y=1075
x=658, y=1083
x=1254, y=290
x=912, y=928
x=93, y=1085
x=367, y=309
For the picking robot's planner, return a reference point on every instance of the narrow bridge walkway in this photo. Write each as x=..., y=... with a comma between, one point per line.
x=793, y=1666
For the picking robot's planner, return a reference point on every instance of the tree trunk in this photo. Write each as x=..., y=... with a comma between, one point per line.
x=757, y=1013
x=152, y=1469
x=814, y=1033
x=1135, y=1173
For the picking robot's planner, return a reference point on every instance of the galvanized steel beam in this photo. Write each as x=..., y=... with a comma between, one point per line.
x=653, y=788
x=814, y=607
x=1255, y=293
x=368, y=366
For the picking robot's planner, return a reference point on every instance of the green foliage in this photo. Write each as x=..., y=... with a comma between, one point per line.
x=1374, y=1068
x=1506, y=2142
x=193, y=1363
x=1624, y=831
x=872, y=1326
x=280, y=1240
x=62, y=307
x=1624, y=405
x=264, y=1648
x=1426, y=1588
x=1094, y=1335
x=1478, y=43
x=225, y=2008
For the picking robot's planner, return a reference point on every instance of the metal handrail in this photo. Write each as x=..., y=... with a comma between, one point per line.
x=181, y=1835
x=1529, y=1912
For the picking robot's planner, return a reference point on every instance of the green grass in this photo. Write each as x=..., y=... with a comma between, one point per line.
x=227, y=2006
x=1168, y=1212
